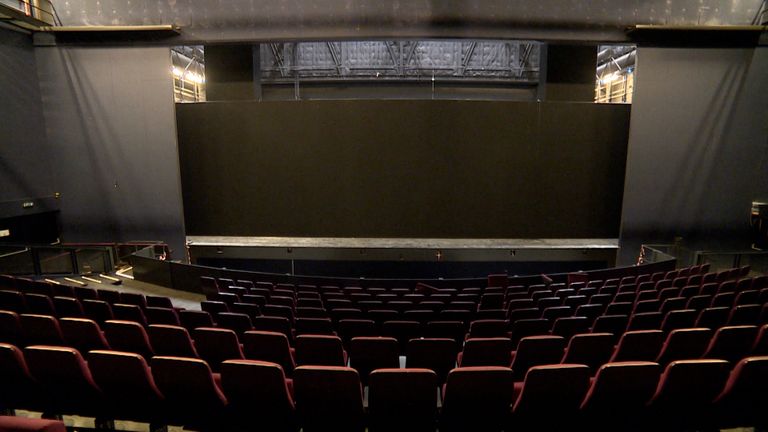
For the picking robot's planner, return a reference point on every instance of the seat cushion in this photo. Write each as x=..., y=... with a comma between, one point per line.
x=21, y=424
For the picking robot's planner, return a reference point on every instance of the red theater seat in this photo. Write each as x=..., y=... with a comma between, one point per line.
x=258, y=392
x=23, y=424
x=402, y=400
x=192, y=397
x=477, y=399
x=129, y=389
x=329, y=398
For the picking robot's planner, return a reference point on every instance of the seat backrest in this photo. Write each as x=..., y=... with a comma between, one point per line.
x=126, y=312
x=683, y=344
x=109, y=296
x=528, y=327
x=257, y=391
x=743, y=399
x=252, y=310
x=329, y=398
x=319, y=350
x=159, y=302
x=170, y=340
x=553, y=313
x=641, y=345
x=214, y=307
x=65, y=376
x=278, y=311
x=188, y=386
x=136, y=299
x=318, y=326
x=402, y=399
x=12, y=301
x=621, y=388
x=39, y=304
x=83, y=334
x=237, y=322
x=350, y=328
x=124, y=378
x=645, y=321
x=128, y=336
x=41, y=330
x=370, y=353
x=591, y=311
x=760, y=347
x=162, y=315
x=10, y=328
x=403, y=331
x=435, y=354
x=476, y=398
x=690, y=384
x=614, y=324
x=98, y=310
x=748, y=314
x=590, y=349
x=68, y=307
x=274, y=324
x=535, y=351
x=488, y=328
x=731, y=343
x=214, y=345
x=678, y=319
x=543, y=391
x=486, y=352
x=713, y=317
x=569, y=326
x=192, y=319
x=269, y=347
x=19, y=388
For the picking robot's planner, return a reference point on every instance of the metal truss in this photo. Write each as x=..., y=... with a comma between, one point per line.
x=514, y=61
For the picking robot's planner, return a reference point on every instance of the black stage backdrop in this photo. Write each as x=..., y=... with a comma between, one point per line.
x=421, y=169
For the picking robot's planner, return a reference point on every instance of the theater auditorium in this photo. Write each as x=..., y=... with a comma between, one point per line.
x=383, y=216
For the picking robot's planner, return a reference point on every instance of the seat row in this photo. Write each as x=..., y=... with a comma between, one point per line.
x=216, y=345
x=43, y=287
x=559, y=320
x=248, y=394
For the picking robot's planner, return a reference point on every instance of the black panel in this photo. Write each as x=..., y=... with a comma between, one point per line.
x=229, y=72
x=39, y=228
x=570, y=72
x=441, y=169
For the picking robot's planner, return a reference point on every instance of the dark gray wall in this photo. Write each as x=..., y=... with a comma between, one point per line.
x=25, y=169
x=109, y=113
x=698, y=146
x=435, y=169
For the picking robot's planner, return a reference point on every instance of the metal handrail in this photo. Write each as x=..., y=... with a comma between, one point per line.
x=31, y=8
x=36, y=258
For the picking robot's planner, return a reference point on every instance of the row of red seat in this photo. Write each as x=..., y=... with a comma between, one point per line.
x=689, y=394
x=216, y=345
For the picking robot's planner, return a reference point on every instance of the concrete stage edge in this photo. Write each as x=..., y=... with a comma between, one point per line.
x=402, y=249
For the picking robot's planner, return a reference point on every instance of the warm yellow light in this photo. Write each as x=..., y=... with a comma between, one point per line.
x=195, y=78
x=609, y=78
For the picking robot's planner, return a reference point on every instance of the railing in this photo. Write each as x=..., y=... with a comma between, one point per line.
x=41, y=10
x=55, y=260
x=721, y=260
x=655, y=253
x=123, y=251
x=186, y=277
x=717, y=260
